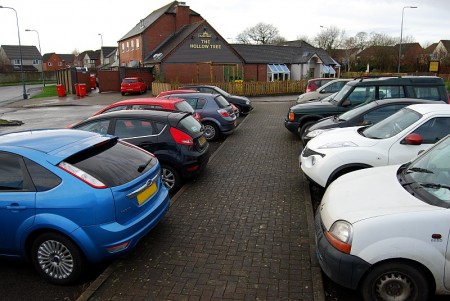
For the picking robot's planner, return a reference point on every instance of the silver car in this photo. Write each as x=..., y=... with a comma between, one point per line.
x=324, y=91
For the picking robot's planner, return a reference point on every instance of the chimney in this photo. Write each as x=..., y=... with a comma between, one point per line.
x=182, y=15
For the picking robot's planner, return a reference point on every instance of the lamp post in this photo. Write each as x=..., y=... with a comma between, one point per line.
x=401, y=38
x=101, y=56
x=25, y=96
x=42, y=64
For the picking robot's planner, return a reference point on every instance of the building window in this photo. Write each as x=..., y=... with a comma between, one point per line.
x=16, y=62
x=128, y=46
x=49, y=64
x=132, y=44
x=60, y=64
x=35, y=62
x=123, y=47
x=137, y=43
x=278, y=72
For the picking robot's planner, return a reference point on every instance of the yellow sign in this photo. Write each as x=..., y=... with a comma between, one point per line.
x=434, y=66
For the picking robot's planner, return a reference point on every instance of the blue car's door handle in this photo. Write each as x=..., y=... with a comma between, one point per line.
x=14, y=207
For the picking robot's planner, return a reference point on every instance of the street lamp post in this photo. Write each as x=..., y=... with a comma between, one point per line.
x=42, y=64
x=101, y=56
x=401, y=38
x=25, y=96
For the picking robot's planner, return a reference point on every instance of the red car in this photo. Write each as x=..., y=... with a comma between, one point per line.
x=169, y=92
x=133, y=85
x=315, y=83
x=171, y=104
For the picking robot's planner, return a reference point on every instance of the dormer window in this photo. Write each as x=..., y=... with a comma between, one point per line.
x=142, y=23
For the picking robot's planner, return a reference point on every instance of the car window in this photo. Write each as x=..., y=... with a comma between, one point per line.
x=123, y=169
x=392, y=125
x=117, y=108
x=190, y=126
x=42, y=178
x=362, y=94
x=129, y=80
x=391, y=92
x=98, y=126
x=184, y=106
x=145, y=107
x=381, y=113
x=427, y=92
x=221, y=101
x=434, y=130
x=126, y=128
x=11, y=173
x=333, y=87
x=192, y=102
x=206, y=90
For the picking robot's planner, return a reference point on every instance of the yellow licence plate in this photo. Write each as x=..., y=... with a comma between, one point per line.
x=144, y=195
x=202, y=140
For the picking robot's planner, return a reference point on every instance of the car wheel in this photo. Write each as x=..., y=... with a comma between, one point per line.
x=239, y=110
x=123, y=93
x=305, y=127
x=141, y=91
x=395, y=281
x=57, y=258
x=171, y=178
x=211, y=131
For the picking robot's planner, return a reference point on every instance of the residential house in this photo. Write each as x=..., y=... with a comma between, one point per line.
x=56, y=61
x=31, y=57
x=108, y=57
x=411, y=56
x=378, y=58
x=442, y=50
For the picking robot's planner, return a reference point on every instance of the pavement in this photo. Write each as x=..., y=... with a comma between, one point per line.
x=244, y=230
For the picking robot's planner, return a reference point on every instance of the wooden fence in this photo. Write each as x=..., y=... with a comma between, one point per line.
x=245, y=88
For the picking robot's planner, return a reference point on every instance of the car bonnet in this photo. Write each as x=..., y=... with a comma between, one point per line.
x=368, y=193
x=338, y=135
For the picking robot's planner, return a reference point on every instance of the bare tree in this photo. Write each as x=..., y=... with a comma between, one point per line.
x=261, y=33
x=361, y=40
x=330, y=38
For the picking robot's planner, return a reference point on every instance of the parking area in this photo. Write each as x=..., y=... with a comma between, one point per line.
x=242, y=231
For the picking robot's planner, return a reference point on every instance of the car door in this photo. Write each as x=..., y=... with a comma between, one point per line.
x=431, y=131
x=17, y=202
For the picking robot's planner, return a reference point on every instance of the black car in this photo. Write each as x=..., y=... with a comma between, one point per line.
x=243, y=104
x=367, y=114
x=364, y=90
x=176, y=138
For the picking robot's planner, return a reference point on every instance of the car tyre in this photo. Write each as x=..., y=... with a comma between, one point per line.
x=123, y=93
x=211, y=131
x=304, y=128
x=171, y=178
x=395, y=280
x=57, y=258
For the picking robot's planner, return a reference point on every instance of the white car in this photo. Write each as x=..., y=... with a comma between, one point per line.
x=394, y=140
x=385, y=230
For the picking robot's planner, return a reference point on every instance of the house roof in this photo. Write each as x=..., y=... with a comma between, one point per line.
x=108, y=50
x=150, y=19
x=28, y=52
x=446, y=44
x=431, y=48
x=299, y=53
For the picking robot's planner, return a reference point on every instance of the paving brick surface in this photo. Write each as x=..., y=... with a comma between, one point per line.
x=242, y=231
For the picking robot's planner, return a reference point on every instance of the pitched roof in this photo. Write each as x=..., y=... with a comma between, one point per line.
x=108, y=50
x=68, y=58
x=150, y=19
x=446, y=44
x=431, y=48
x=280, y=54
x=28, y=52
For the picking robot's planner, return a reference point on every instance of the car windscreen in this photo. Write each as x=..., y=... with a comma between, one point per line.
x=129, y=80
x=355, y=112
x=113, y=164
x=428, y=175
x=184, y=106
x=392, y=125
x=341, y=94
x=222, y=91
x=190, y=126
x=221, y=101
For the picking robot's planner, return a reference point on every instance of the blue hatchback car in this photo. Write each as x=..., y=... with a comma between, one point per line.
x=70, y=197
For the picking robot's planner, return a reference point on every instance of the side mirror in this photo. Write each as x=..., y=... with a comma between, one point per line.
x=413, y=139
x=346, y=103
x=366, y=122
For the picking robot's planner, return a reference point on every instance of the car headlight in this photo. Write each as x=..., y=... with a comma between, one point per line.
x=315, y=133
x=339, y=144
x=247, y=102
x=340, y=236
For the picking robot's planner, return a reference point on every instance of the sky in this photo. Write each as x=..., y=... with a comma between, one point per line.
x=64, y=25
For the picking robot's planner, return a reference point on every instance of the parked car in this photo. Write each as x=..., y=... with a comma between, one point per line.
x=394, y=140
x=243, y=104
x=172, y=104
x=133, y=85
x=71, y=198
x=323, y=91
x=356, y=92
x=175, y=138
x=367, y=114
x=177, y=91
x=215, y=111
x=385, y=230
x=315, y=83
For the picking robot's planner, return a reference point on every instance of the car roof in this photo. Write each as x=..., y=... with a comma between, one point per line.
x=398, y=80
x=431, y=108
x=154, y=113
x=177, y=91
x=60, y=143
x=149, y=100
x=196, y=94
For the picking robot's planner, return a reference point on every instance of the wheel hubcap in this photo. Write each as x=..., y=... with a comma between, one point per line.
x=209, y=132
x=394, y=287
x=168, y=178
x=55, y=259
